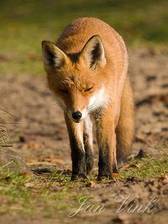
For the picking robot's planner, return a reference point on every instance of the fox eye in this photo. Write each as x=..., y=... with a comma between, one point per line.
x=88, y=89
x=65, y=91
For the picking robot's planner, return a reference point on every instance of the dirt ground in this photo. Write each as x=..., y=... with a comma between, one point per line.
x=37, y=132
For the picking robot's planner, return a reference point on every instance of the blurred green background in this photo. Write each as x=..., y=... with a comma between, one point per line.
x=23, y=24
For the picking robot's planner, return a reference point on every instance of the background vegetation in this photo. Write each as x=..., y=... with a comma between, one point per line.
x=23, y=24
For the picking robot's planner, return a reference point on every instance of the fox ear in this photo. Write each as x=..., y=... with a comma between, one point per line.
x=93, y=52
x=52, y=55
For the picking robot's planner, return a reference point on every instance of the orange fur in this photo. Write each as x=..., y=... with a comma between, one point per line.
x=87, y=70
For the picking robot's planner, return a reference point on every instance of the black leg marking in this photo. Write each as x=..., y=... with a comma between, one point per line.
x=105, y=168
x=78, y=163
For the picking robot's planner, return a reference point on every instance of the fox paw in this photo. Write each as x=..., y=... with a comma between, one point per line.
x=80, y=176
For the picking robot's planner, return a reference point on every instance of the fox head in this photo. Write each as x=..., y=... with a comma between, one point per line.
x=76, y=78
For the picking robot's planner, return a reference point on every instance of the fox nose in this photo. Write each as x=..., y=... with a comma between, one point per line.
x=77, y=115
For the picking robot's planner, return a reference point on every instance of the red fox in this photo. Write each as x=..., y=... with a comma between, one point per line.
x=87, y=71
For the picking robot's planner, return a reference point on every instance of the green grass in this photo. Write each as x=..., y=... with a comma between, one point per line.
x=33, y=195
x=54, y=194
x=25, y=23
x=146, y=168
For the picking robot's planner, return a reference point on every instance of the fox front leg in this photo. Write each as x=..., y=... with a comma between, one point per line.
x=106, y=139
x=75, y=131
x=88, y=143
